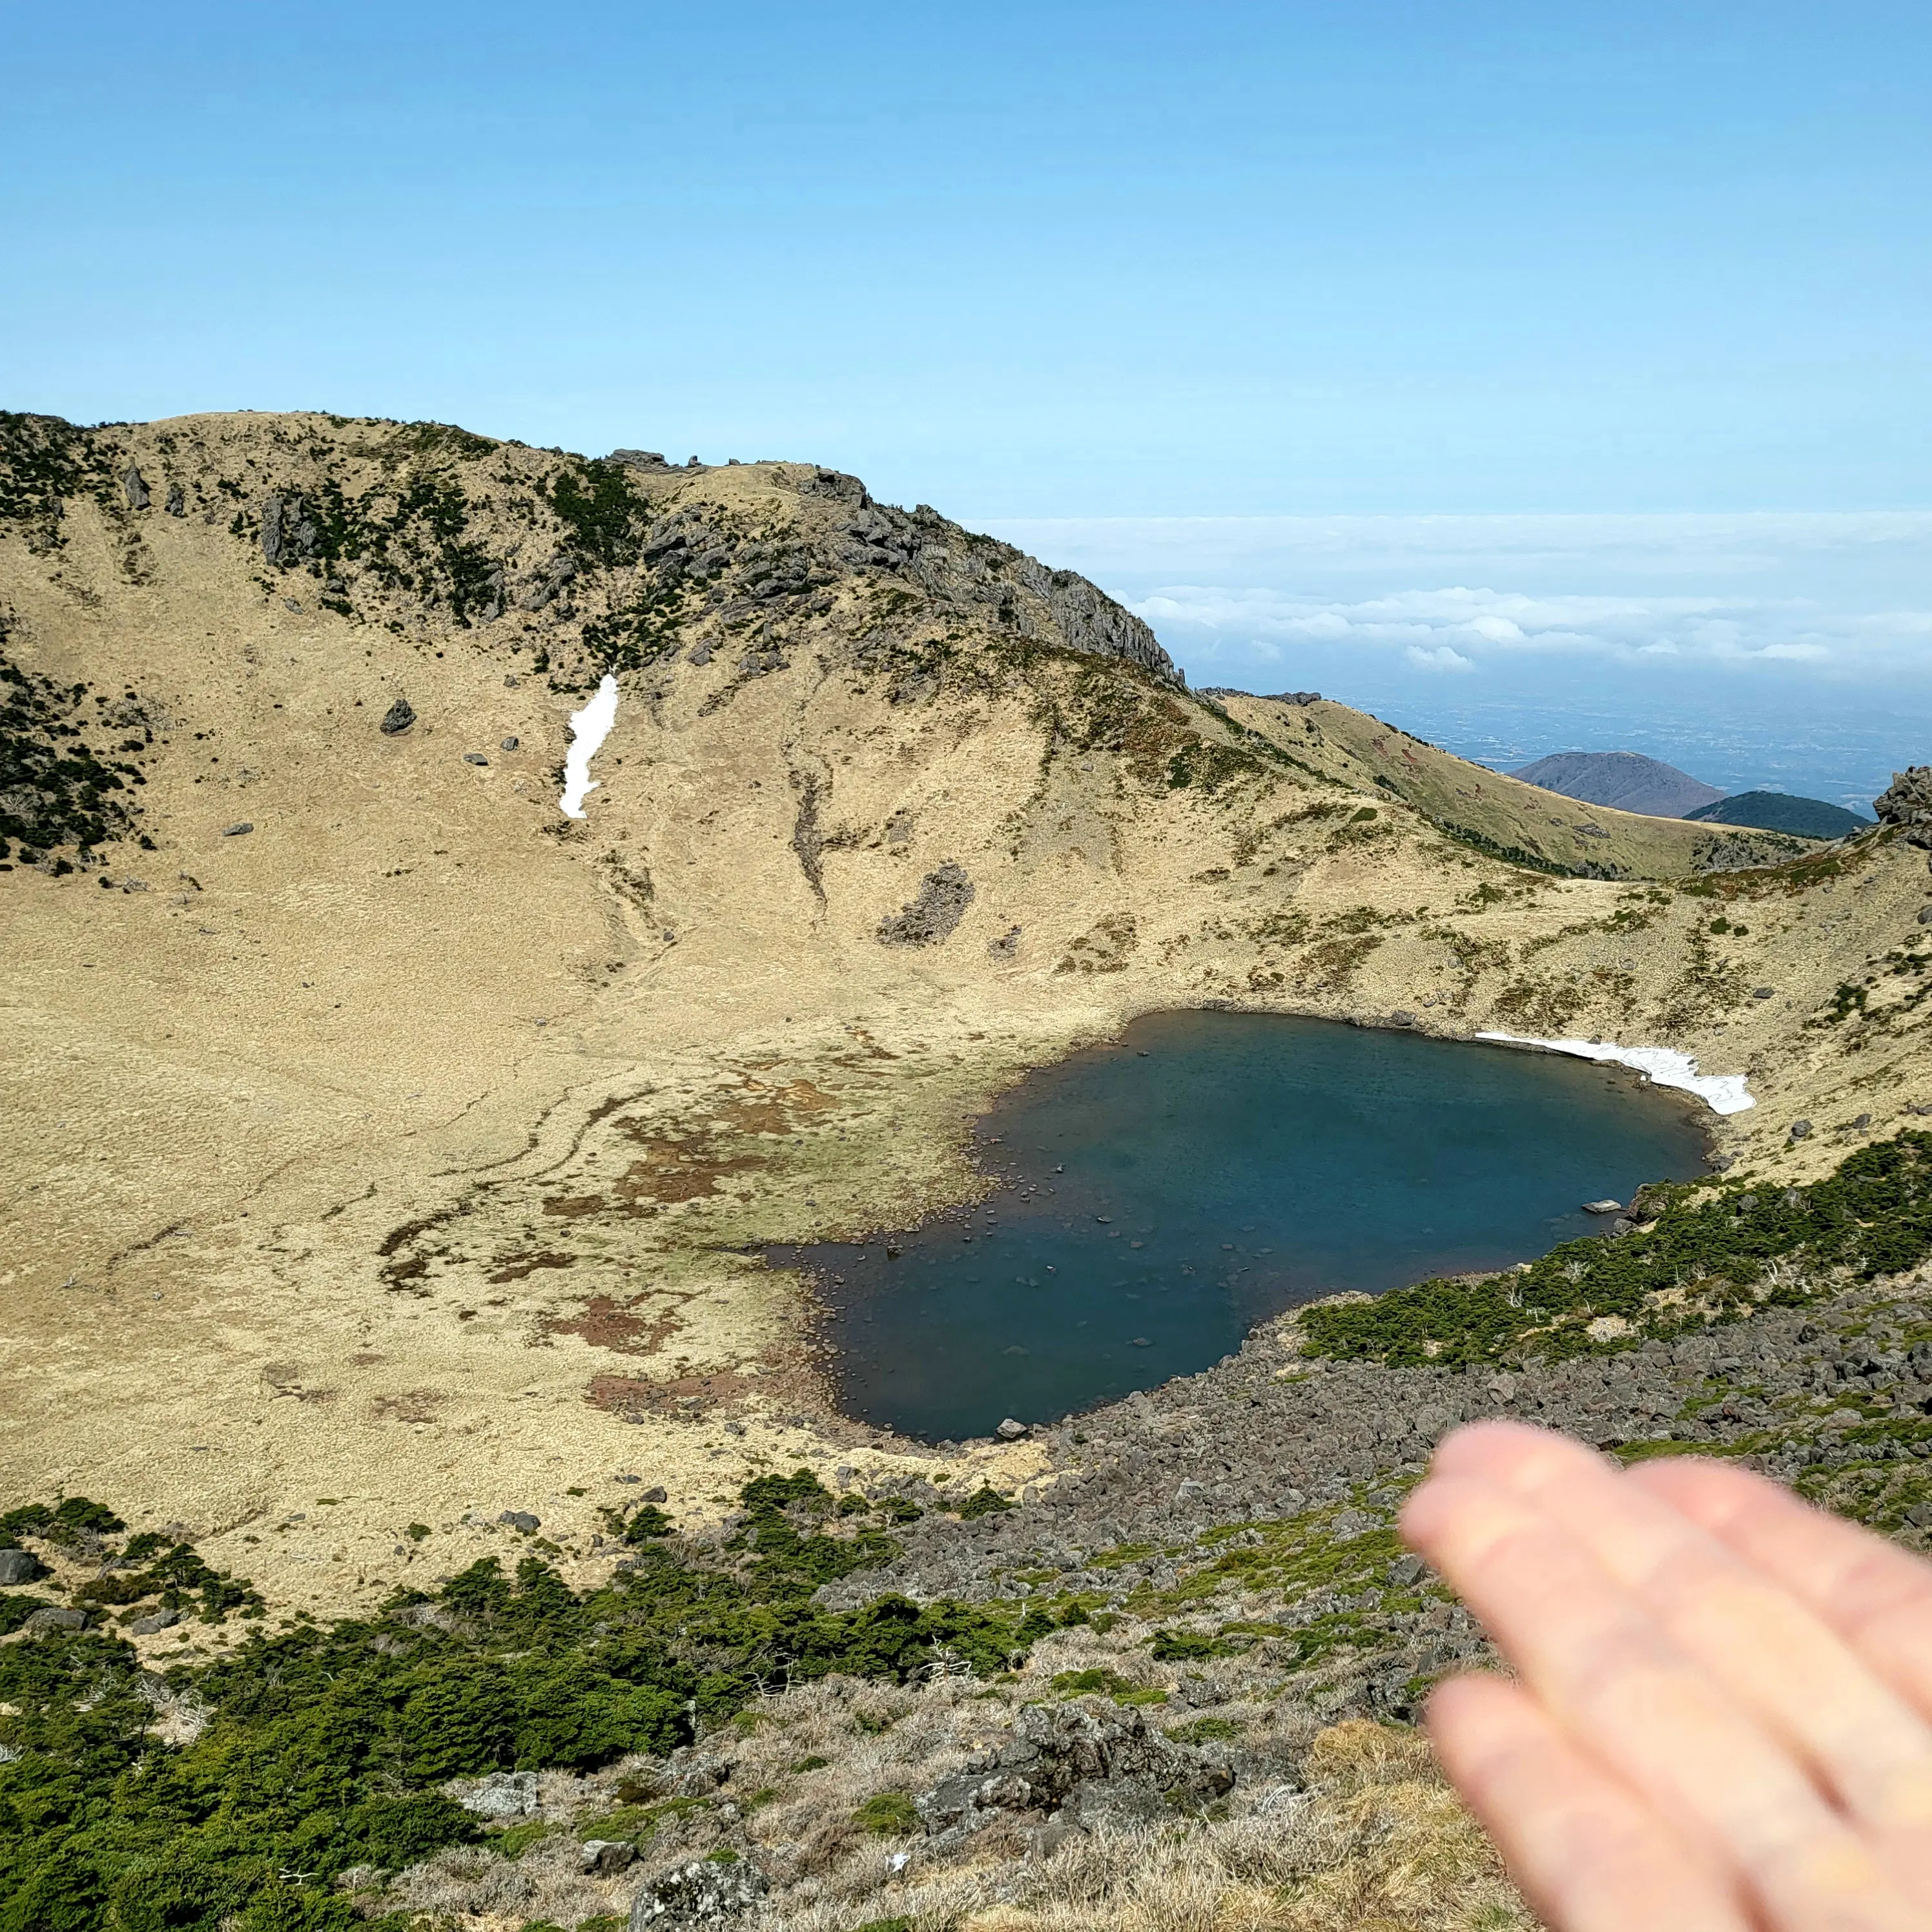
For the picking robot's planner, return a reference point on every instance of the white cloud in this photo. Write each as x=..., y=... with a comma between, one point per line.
x=1845, y=594
x=1443, y=657
x=1460, y=627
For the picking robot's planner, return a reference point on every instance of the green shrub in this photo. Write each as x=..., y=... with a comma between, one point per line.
x=1095, y=1683
x=890, y=1814
x=1872, y=1216
x=984, y=1501
x=16, y=1608
x=647, y=1522
x=1177, y=1645
x=1206, y=1730
x=325, y=1742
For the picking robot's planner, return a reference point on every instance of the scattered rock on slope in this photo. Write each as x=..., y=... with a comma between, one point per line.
x=1100, y=1762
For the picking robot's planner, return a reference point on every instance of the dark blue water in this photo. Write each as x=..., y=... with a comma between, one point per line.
x=1158, y=1197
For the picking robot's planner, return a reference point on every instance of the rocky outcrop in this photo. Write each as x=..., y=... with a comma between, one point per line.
x=944, y=897
x=288, y=532
x=1091, y=621
x=1907, y=801
x=1097, y=1762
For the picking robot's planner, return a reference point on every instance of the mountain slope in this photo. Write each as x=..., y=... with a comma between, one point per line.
x=1500, y=815
x=414, y=1146
x=1627, y=780
x=1776, y=811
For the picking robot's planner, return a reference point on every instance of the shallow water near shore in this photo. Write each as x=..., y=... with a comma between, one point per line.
x=1159, y=1195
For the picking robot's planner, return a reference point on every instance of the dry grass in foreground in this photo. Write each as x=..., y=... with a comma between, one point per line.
x=1379, y=1843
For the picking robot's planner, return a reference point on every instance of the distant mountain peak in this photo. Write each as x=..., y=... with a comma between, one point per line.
x=1624, y=781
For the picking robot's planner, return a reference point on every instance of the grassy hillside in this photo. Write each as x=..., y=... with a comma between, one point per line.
x=392, y=1156
x=1496, y=814
x=404, y=1157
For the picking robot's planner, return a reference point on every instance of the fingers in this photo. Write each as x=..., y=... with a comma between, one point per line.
x=1875, y=1596
x=1590, y=1857
x=1781, y=1661
x=1610, y=1676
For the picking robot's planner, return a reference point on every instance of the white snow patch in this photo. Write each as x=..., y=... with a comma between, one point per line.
x=589, y=728
x=1664, y=1066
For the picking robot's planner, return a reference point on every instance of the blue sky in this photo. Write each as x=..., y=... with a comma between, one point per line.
x=1079, y=268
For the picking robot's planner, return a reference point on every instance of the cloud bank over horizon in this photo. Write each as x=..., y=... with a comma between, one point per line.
x=1845, y=596
x=1456, y=629
x=1790, y=648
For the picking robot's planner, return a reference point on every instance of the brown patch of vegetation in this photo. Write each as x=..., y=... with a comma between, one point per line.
x=415, y=1405
x=1330, y=965
x=520, y=1268
x=1104, y=948
x=573, y=1207
x=1546, y=1006
x=605, y=1323
x=777, y=1110
x=631, y=1396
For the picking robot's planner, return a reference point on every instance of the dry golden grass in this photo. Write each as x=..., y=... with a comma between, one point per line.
x=1375, y=1841
x=1379, y=1843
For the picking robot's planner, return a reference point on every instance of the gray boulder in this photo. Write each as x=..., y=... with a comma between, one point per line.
x=521, y=1519
x=605, y=1856
x=135, y=487
x=177, y=502
x=707, y=1891
x=154, y=1623
x=288, y=532
x=55, y=1616
x=20, y=1566
x=400, y=716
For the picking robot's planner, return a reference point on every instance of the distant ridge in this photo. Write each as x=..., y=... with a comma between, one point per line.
x=1627, y=781
x=1778, y=812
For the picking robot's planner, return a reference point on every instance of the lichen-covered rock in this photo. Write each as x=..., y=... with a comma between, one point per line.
x=944, y=897
x=503, y=1794
x=705, y=1892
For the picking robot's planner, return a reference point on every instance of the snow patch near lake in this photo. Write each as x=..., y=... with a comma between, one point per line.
x=589, y=728
x=1663, y=1065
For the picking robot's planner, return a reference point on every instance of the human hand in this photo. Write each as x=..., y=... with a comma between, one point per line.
x=1723, y=1718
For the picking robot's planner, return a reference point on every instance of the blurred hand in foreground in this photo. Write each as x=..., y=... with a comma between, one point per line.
x=1723, y=1717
